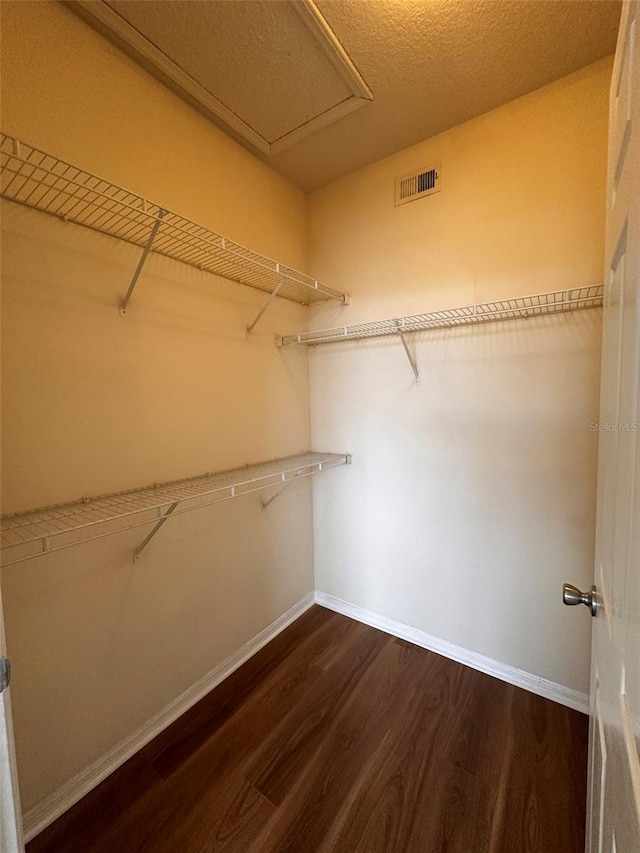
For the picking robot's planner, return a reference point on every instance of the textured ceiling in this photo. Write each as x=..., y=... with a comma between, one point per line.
x=431, y=64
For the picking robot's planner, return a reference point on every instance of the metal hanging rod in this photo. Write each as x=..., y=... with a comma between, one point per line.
x=555, y=302
x=30, y=534
x=39, y=180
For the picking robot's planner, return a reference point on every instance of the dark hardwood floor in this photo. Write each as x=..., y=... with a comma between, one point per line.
x=337, y=737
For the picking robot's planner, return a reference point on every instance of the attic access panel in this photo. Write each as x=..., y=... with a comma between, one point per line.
x=270, y=73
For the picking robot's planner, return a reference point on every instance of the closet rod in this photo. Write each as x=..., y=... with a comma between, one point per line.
x=554, y=302
x=40, y=531
x=36, y=179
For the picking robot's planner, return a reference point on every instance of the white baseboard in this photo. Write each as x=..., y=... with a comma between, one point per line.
x=511, y=674
x=39, y=817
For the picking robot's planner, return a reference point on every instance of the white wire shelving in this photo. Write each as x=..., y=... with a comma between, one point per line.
x=36, y=532
x=505, y=309
x=39, y=180
x=540, y=304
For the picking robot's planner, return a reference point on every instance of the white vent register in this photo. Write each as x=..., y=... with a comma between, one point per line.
x=418, y=184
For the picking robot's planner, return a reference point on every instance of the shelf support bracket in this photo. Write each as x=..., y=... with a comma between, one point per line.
x=412, y=361
x=140, y=548
x=270, y=299
x=141, y=262
x=282, y=489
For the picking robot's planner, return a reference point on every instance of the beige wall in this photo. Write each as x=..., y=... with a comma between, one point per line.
x=472, y=495
x=94, y=403
x=521, y=210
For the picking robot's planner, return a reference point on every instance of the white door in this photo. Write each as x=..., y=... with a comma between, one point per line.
x=10, y=822
x=614, y=756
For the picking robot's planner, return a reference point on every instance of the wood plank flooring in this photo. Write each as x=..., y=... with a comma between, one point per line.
x=337, y=737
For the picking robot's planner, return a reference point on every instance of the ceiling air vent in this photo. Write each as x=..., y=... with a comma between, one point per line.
x=418, y=184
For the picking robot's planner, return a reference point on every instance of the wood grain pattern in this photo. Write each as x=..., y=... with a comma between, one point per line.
x=337, y=737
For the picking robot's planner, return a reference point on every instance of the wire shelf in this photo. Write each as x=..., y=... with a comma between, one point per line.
x=30, y=534
x=506, y=309
x=39, y=180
